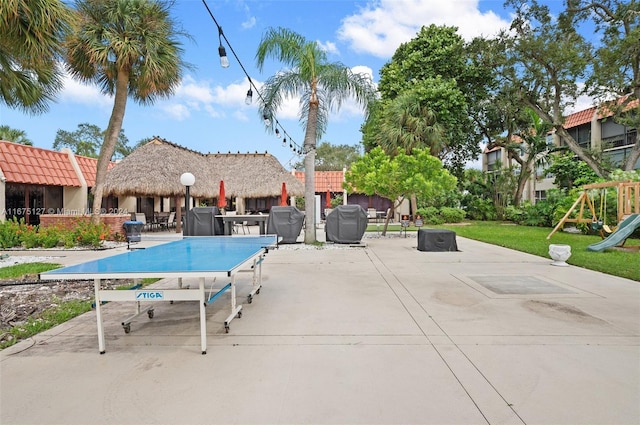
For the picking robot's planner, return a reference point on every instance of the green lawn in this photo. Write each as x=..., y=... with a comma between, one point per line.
x=533, y=240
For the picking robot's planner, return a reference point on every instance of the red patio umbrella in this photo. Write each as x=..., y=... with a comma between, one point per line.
x=328, y=201
x=222, y=200
x=283, y=196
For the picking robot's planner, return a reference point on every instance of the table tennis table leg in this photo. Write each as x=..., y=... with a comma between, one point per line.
x=236, y=310
x=96, y=289
x=257, y=279
x=203, y=318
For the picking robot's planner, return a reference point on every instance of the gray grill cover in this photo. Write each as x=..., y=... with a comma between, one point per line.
x=286, y=222
x=438, y=240
x=346, y=224
x=203, y=222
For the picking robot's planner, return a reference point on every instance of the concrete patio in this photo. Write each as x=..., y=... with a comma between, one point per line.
x=380, y=334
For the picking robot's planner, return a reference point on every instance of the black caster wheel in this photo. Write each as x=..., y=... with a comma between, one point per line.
x=150, y=314
x=127, y=328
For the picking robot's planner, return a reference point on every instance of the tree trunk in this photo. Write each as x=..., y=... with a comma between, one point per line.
x=571, y=143
x=632, y=159
x=110, y=141
x=310, y=174
x=414, y=204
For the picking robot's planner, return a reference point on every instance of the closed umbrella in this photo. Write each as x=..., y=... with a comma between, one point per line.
x=222, y=200
x=328, y=199
x=283, y=196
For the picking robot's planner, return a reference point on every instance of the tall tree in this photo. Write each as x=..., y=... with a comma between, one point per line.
x=14, y=135
x=333, y=157
x=407, y=124
x=321, y=86
x=615, y=69
x=129, y=48
x=436, y=67
x=30, y=46
x=87, y=140
x=550, y=57
x=530, y=150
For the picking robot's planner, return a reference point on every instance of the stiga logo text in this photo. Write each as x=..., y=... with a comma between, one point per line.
x=149, y=295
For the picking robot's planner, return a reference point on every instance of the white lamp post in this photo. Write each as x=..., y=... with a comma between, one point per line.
x=187, y=180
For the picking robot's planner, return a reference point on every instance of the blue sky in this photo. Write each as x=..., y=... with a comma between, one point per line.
x=208, y=113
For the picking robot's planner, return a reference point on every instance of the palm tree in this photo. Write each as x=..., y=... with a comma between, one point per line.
x=321, y=87
x=535, y=149
x=30, y=46
x=406, y=124
x=128, y=48
x=14, y=135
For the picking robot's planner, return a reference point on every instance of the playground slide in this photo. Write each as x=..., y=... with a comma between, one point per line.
x=624, y=230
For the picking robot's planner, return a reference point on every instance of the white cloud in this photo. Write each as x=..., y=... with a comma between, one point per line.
x=249, y=23
x=380, y=27
x=90, y=95
x=328, y=47
x=176, y=111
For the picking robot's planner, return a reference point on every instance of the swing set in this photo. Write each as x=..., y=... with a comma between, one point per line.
x=628, y=203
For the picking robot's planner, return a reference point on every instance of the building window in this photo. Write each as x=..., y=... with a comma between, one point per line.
x=582, y=135
x=493, y=158
x=541, y=195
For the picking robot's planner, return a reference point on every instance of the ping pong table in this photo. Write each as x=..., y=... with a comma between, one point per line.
x=199, y=257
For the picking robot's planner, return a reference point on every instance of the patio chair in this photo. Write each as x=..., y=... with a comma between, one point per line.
x=142, y=218
x=372, y=214
x=171, y=221
x=238, y=224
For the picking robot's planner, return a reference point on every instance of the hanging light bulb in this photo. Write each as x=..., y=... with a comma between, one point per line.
x=267, y=120
x=224, y=60
x=284, y=142
x=277, y=133
x=249, y=99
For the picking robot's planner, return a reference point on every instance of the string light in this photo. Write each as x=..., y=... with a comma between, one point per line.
x=224, y=62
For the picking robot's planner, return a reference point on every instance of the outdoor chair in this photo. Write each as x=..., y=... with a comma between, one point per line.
x=238, y=224
x=143, y=219
x=171, y=220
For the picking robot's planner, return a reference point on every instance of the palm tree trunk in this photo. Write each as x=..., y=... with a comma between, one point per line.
x=110, y=141
x=310, y=174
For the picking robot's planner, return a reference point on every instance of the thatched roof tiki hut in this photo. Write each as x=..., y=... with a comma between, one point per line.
x=154, y=170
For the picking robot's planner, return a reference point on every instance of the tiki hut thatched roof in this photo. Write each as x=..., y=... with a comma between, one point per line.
x=155, y=168
x=254, y=175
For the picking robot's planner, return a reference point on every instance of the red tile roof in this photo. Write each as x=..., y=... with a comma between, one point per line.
x=30, y=165
x=579, y=118
x=325, y=180
x=88, y=168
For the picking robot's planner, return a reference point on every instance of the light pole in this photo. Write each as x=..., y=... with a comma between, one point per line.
x=187, y=180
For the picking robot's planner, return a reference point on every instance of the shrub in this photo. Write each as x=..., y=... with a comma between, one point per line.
x=30, y=237
x=10, y=233
x=86, y=233
x=452, y=215
x=14, y=233
x=50, y=237
x=430, y=215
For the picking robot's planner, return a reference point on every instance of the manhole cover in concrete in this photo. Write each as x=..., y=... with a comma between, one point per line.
x=519, y=285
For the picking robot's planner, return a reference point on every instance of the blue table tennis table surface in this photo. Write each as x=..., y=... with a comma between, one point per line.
x=195, y=256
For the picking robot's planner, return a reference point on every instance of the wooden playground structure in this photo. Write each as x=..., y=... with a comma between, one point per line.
x=628, y=203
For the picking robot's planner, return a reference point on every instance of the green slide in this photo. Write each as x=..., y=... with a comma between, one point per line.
x=624, y=230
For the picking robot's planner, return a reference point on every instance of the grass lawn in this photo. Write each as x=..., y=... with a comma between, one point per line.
x=533, y=240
